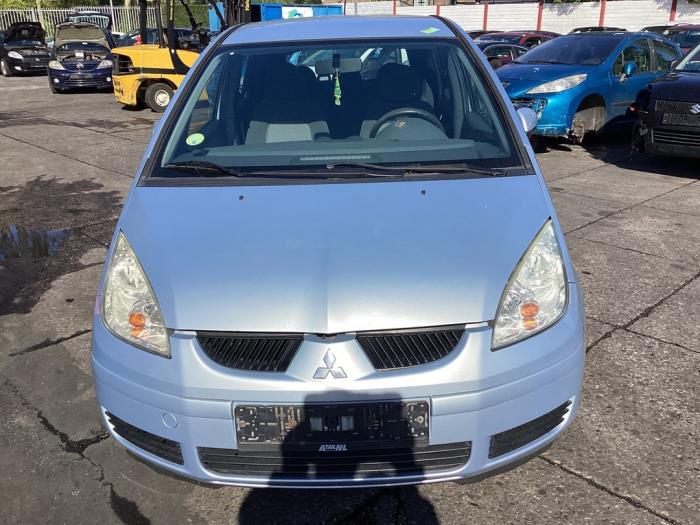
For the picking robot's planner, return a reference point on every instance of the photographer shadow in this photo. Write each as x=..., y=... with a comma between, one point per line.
x=319, y=456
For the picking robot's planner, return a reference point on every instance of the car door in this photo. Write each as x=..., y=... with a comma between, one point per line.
x=625, y=89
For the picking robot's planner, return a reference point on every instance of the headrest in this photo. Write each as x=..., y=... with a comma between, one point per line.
x=347, y=65
x=286, y=81
x=397, y=82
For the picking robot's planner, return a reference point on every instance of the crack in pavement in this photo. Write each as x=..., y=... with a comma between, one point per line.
x=626, y=207
x=627, y=248
x=591, y=481
x=629, y=330
x=125, y=509
x=644, y=313
x=66, y=156
x=49, y=342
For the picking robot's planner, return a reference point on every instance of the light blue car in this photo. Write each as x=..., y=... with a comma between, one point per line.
x=343, y=274
x=581, y=82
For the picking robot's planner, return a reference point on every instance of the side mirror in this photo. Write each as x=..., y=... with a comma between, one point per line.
x=528, y=118
x=627, y=71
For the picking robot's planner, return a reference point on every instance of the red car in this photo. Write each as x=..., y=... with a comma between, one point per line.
x=521, y=38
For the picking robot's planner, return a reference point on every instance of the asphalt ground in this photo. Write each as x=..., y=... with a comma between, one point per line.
x=633, y=228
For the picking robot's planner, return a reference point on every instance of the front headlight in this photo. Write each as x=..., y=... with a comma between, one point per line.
x=55, y=64
x=536, y=294
x=104, y=64
x=130, y=308
x=556, y=86
x=14, y=54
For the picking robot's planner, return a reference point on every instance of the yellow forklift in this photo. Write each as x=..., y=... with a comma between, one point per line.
x=149, y=74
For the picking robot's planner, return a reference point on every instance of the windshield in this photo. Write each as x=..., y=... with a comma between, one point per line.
x=691, y=62
x=686, y=39
x=581, y=49
x=380, y=103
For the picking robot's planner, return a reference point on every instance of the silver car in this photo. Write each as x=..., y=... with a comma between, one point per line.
x=339, y=266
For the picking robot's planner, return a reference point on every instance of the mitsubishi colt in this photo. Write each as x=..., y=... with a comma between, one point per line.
x=339, y=266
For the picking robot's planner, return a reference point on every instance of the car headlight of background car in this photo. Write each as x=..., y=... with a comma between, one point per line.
x=14, y=54
x=561, y=84
x=536, y=294
x=55, y=64
x=130, y=308
x=104, y=64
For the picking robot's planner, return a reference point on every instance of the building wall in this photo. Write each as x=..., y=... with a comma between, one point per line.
x=562, y=18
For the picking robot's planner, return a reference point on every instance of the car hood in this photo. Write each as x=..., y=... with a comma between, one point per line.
x=79, y=32
x=538, y=73
x=333, y=258
x=684, y=87
x=25, y=31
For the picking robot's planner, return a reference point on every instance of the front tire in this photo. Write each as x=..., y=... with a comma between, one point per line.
x=5, y=68
x=158, y=96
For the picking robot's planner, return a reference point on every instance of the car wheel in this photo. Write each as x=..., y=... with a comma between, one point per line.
x=158, y=96
x=5, y=68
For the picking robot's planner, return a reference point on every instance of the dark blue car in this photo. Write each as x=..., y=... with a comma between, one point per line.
x=579, y=83
x=81, y=57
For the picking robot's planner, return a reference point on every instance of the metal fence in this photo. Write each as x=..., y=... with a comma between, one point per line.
x=124, y=18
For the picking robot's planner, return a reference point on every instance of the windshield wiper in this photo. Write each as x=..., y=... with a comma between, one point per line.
x=203, y=168
x=400, y=171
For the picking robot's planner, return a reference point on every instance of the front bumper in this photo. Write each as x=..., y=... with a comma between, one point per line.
x=28, y=64
x=554, y=119
x=98, y=78
x=473, y=393
x=676, y=141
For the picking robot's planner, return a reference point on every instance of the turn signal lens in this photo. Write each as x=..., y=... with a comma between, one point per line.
x=535, y=296
x=130, y=308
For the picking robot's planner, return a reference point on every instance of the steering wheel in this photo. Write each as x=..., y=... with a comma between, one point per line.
x=408, y=112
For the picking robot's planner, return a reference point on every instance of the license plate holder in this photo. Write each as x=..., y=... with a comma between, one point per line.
x=679, y=119
x=340, y=427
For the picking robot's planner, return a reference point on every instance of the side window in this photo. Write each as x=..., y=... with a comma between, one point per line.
x=665, y=55
x=617, y=66
x=532, y=42
x=639, y=53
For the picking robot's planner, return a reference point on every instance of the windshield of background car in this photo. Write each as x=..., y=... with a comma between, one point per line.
x=691, y=62
x=686, y=39
x=408, y=102
x=580, y=49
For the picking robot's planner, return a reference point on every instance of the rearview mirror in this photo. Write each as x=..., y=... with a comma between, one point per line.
x=528, y=118
x=627, y=71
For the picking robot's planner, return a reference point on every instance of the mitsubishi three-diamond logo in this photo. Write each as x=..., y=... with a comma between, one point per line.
x=336, y=371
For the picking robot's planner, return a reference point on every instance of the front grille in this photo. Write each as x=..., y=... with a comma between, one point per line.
x=156, y=445
x=254, y=352
x=674, y=106
x=512, y=439
x=678, y=138
x=312, y=464
x=400, y=349
x=121, y=65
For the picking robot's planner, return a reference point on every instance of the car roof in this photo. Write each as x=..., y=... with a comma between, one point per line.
x=339, y=28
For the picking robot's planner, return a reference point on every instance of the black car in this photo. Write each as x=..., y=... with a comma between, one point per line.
x=669, y=111
x=23, y=49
